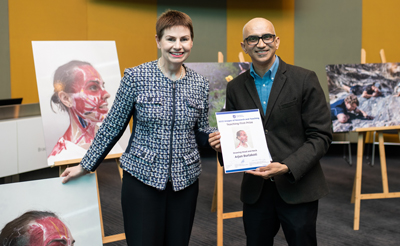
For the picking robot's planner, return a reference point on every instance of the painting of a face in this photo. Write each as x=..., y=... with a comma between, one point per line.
x=49, y=231
x=242, y=136
x=89, y=94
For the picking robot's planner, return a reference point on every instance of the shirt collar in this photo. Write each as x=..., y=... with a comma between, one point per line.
x=270, y=73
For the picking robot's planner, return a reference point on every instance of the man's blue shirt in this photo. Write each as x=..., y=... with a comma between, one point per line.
x=264, y=84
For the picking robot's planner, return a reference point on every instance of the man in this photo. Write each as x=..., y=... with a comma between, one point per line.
x=366, y=91
x=241, y=136
x=341, y=108
x=296, y=123
x=371, y=90
x=36, y=228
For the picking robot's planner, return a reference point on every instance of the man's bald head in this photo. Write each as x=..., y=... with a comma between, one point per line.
x=257, y=23
x=263, y=44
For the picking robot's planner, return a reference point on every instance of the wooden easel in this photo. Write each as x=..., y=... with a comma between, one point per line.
x=348, y=142
x=64, y=164
x=383, y=60
x=372, y=135
x=218, y=205
x=364, y=133
x=382, y=55
x=218, y=197
x=356, y=196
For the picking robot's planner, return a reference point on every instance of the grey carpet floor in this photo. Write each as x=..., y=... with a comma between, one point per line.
x=379, y=219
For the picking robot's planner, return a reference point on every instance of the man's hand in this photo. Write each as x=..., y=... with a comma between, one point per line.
x=364, y=114
x=368, y=117
x=213, y=139
x=271, y=170
x=72, y=173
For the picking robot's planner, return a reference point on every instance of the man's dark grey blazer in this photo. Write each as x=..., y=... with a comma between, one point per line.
x=297, y=128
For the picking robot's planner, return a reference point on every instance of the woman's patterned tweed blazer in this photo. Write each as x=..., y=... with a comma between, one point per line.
x=166, y=115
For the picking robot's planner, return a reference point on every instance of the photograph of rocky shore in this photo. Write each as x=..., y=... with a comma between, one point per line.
x=364, y=95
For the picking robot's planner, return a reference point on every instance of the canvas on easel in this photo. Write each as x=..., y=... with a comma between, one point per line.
x=39, y=212
x=365, y=98
x=364, y=95
x=77, y=82
x=219, y=74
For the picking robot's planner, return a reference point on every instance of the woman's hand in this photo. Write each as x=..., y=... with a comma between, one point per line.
x=72, y=173
x=213, y=139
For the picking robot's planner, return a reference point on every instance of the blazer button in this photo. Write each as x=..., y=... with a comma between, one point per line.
x=266, y=132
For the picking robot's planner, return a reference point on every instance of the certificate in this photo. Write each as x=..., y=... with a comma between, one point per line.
x=242, y=140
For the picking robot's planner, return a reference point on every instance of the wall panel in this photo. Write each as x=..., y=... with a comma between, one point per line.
x=209, y=24
x=321, y=32
x=130, y=23
x=327, y=32
x=5, y=86
x=379, y=30
x=40, y=20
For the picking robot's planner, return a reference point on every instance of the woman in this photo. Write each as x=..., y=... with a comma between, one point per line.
x=169, y=105
x=36, y=228
x=78, y=90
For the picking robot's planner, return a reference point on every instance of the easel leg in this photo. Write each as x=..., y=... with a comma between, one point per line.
x=382, y=155
x=100, y=213
x=121, y=174
x=214, y=199
x=220, y=206
x=373, y=150
x=360, y=150
x=353, y=193
x=106, y=239
x=61, y=169
x=11, y=179
x=350, y=158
